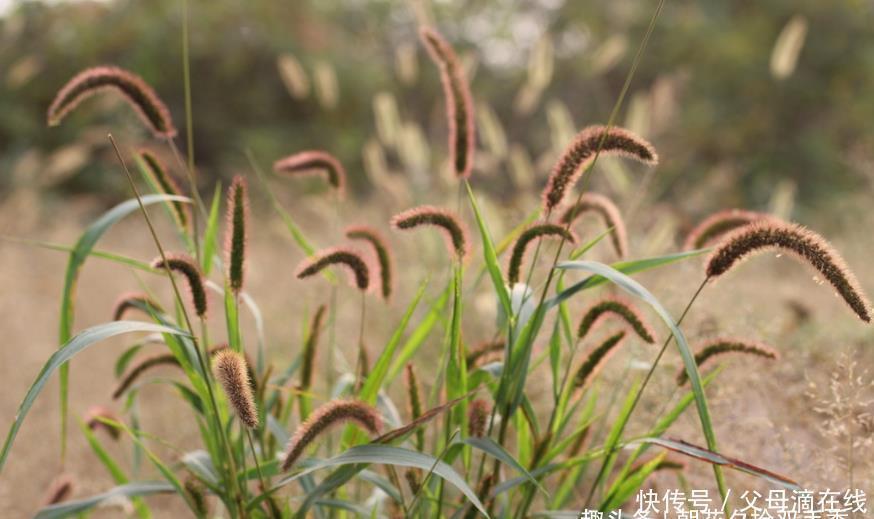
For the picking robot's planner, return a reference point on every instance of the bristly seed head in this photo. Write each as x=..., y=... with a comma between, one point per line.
x=722, y=345
x=720, y=223
x=596, y=360
x=187, y=267
x=623, y=309
x=197, y=493
x=805, y=244
x=313, y=161
x=134, y=90
x=582, y=150
x=348, y=258
x=134, y=301
x=454, y=231
x=540, y=230
x=310, y=348
x=233, y=375
x=380, y=249
x=609, y=213
x=327, y=415
x=236, y=230
x=59, y=490
x=93, y=420
x=415, y=399
x=459, y=101
x=478, y=418
x=168, y=185
x=482, y=350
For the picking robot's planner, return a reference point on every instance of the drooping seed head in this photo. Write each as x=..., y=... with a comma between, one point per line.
x=93, y=420
x=412, y=481
x=380, y=249
x=59, y=490
x=478, y=418
x=236, y=232
x=722, y=345
x=314, y=161
x=482, y=350
x=310, y=348
x=233, y=375
x=596, y=360
x=582, y=150
x=134, y=301
x=133, y=89
x=326, y=416
x=539, y=230
x=626, y=311
x=720, y=223
x=415, y=399
x=459, y=101
x=167, y=185
x=453, y=230
x=186, y=266
x=608, y=212
x=801, y=242
x=349, y=258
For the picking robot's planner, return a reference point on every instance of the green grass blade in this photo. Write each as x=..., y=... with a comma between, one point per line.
x=489, y=255
x=94, y=253
x=419, y=334
x=129, y=490
x=494, y=450
x=75, y=345
x=209, y=236
x=630, y=485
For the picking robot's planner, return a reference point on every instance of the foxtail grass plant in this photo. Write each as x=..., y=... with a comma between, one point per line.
x=470, y=410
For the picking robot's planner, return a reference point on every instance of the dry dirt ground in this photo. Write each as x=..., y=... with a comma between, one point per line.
x=766, y=413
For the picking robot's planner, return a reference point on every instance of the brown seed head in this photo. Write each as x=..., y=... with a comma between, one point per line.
x=622, y=309
x=608, y=212
x=133, y=89
x=134, y=301
x=459, y=101
x=310, y=348
x=311, y=161
x=233, y=375
x=349, y=258
x=596, y=360
x=482, y=350
x=540, y=230
x=167, y=184
x=720, y=223
x=478, y=418
x=415, y=399
x=582, y=150
x=186, y=266
x=380, y=249
x=722, y=345
x=236, y=232
x=327, y=415
x=60, y=489
x=803, y=243
x=454, y=231
x=93, y=420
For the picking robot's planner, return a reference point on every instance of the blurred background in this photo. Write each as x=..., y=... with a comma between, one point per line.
x=763, y=104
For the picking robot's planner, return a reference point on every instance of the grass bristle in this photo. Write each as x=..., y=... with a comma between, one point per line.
x=349, y=258
x=326, y=416
x=134, y=301
x=582, y=150
x=459, y=102
x=540, y=230
x=722, y=345
x=597, y=313
x=237, y=232
x=381, y=249
x=801, y=242
x=609, y=213
x=314, y=161
x=186, y=266
x=168, y=185
x=232, y=372
x=596, y=360
x=453, y=229
x=94, y=416
x=718, y=224
x=132, y=88
x=311, y=348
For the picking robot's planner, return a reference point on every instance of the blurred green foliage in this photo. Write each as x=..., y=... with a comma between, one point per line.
x=704, y=93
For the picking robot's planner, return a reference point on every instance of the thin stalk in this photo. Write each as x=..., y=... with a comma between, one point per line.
x=601, y=472
x=359, y=369
x=261, y=479
x=178, y=294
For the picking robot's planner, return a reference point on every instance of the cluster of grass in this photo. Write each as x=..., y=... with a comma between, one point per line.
x=477, y=443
